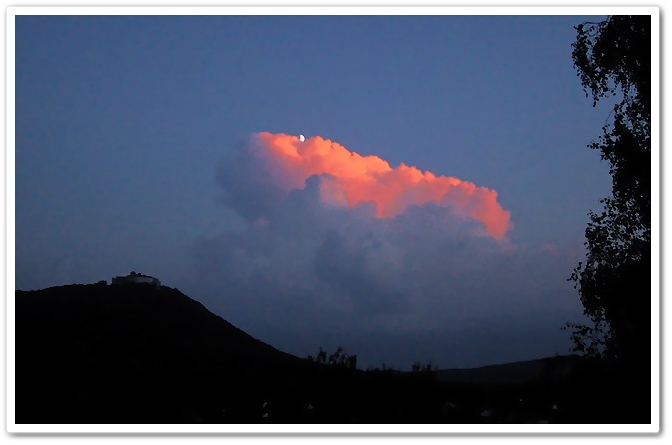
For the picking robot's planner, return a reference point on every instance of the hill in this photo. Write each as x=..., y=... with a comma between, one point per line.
x=517, y=373
x=144, y=354
x=132, y=353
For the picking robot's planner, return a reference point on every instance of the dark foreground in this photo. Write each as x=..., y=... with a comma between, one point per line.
x=142, y=354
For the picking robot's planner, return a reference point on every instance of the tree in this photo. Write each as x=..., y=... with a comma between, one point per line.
x=338, y=358
x=613, y=59
x=418, y=367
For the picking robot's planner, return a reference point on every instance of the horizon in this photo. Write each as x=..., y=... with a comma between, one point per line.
x=381, y=366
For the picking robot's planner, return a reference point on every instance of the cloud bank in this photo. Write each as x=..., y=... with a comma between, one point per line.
x=395, y=264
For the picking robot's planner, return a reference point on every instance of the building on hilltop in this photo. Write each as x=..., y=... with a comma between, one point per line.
x=136, y=278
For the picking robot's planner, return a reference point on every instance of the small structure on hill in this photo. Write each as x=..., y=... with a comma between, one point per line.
x=136, y=278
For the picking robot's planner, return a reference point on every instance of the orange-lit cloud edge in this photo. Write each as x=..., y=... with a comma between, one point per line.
x=356, y=179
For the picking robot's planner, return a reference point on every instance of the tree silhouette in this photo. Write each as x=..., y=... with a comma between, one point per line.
x=338, y=358
x=418, y=366
x=613, y=59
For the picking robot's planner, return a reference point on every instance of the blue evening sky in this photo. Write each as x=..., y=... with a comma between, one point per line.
x=122, y=122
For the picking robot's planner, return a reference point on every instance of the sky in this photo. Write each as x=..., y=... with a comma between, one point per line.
x=434, y=210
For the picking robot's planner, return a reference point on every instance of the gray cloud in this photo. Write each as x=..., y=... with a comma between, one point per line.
x=360, y=269
x=427, y=284
x=250, y=199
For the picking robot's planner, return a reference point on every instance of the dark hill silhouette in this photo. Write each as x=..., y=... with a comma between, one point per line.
x=516, y=373
x=133, y=353
x=138, y=353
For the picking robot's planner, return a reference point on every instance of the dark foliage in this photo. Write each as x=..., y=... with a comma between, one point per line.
x=613, y=59
x=339, y=358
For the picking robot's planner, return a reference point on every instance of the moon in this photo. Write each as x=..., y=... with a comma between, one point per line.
x=302, y=138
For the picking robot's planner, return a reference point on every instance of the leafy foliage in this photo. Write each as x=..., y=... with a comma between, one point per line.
x=613, y=59
x=418, y=366
x=592, y=341
x=339, y=358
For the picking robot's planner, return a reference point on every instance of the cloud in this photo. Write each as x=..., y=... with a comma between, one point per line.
x=365, y=270
x=314, y=265
x=283, y=162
